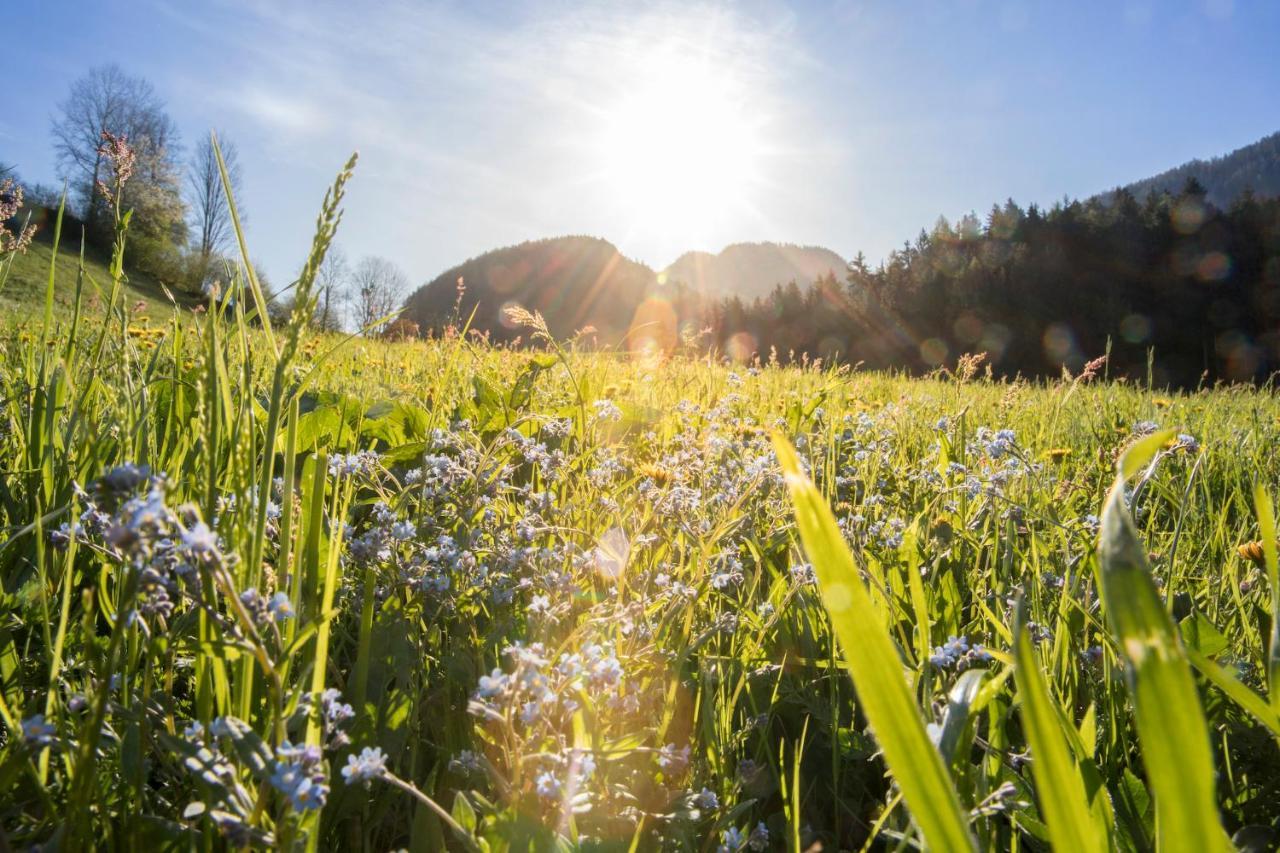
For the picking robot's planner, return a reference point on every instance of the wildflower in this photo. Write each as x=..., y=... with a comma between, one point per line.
x=492, y=684
x=37, y=732
x=673, y=760
x=256, y=605
x=802, y=573
x=199, y=541
x=759, y=838
x=10, y=204
x=335, y=711
x=956, y=653
x=305, y=787
x=569, y=666
x=606, y=672
x=117, y=150
x=731, y=839
x=194, y=730
x=607, y=410
x=466, y=762
x=720, y=580
x=1252, y=551
x=369, y=765
x=305, y=754
x=280, y=607
x=547, y=785
x=707, y=799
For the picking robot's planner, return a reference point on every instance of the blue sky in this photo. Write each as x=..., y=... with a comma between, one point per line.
x=846, y=124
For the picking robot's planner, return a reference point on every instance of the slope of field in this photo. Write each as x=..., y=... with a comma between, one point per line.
x=23, y=291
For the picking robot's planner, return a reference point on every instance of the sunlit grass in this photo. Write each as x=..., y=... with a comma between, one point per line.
x=303, y=591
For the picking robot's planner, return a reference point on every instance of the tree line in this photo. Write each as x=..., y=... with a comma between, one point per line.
x=181, y=232
x=1172, y=286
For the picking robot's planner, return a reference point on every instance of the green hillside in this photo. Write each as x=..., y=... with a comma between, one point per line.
x=23, y=288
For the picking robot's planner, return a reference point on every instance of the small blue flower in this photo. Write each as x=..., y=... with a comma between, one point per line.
x=492, y=684
x=731, y=839
x=37, y=732
x=280, y=607
x=306, y=790
x=369, y=765
x=672, y=759
x=548, y=786
x=707, y=799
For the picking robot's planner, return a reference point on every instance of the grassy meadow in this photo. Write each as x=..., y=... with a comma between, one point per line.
x=275, y=589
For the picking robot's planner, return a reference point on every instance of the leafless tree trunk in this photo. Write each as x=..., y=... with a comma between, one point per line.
x=211, y=218
x=332, y=280
x=377, y=288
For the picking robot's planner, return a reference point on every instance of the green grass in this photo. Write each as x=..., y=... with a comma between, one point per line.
x=24, y=290
x=901, y=634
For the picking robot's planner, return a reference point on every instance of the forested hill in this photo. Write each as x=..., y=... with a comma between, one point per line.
x=572, y=281
x=749, y=270
x=585, y=281
x=1254, y=167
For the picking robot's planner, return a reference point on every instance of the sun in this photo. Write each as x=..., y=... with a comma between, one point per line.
x=683, y=149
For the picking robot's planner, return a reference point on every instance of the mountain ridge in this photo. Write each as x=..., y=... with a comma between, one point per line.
x=576, y=281
x=1254, y=167
x=752, y=269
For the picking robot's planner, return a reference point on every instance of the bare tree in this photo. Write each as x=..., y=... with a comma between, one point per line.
x=108, y=99
x=211, y=220
x=377, y=288
x=331, y=281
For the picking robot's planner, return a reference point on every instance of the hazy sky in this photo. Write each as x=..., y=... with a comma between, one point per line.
x=661, y=127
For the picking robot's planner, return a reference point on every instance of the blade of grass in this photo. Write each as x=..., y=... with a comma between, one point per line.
x=1267, y=529
x=1059, y=787
x=1170, y=722
x=876, y=667
x=53, y=266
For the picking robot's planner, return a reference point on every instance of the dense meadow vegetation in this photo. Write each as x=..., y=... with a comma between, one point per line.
x=272, y=588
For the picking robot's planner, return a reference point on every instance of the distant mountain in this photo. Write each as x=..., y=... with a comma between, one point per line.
x=585, y=281
x=572, y=281
x=1255, y=167
x=750, y=270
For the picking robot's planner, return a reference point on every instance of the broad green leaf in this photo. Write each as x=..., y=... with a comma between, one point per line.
x=1170, y=722
x=955, y=718
x=463, y=813
x=1059, y=786
x=1199, y=633
x=876, y=667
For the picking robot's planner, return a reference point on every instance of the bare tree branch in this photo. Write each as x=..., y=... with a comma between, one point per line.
x=377, y=288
